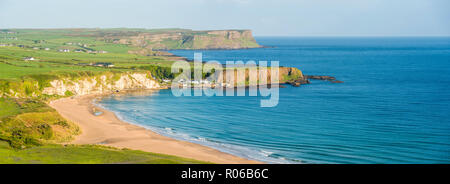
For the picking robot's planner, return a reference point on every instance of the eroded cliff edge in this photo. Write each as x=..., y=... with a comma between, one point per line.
x=101, y=84
x=108, y=82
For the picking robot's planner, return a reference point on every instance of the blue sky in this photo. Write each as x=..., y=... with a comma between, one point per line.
x=264, y=17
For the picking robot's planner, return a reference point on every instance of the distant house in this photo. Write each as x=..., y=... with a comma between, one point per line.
x=47, y=49
x=64, y=50
x=28, y=58
x=101, y=64
x=79, y=50
x=36, y=48
x=103, y=52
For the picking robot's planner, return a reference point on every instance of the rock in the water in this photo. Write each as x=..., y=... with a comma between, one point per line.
x=298, y=82
x=337, y=81
x=323, y=77
x=320, y=77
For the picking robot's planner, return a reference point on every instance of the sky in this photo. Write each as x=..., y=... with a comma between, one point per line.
x=263, y=17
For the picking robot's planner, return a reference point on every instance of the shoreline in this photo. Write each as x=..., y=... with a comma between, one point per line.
x=107, y=129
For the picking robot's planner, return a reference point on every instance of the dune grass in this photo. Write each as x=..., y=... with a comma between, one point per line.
x=27, y=123
x=8, y=107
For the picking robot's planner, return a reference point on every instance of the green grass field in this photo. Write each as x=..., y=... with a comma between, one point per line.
x=84, y=154
x=13, y=66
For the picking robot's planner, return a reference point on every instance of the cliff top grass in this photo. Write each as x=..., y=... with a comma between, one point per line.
x=14, y=66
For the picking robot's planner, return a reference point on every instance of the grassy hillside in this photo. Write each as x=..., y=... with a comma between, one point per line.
x=29, y=77
x=28, y=122
x=123, y=40
x=30, y=131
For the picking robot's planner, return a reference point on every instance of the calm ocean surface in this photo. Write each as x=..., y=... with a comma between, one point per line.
x=393, y=107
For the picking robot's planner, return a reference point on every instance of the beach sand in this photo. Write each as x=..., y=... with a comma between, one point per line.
x=107, y=129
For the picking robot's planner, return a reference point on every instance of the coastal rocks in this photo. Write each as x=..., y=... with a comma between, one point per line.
x=101, y=84
x=337, y=81
x=298, y=82
x=323, y=77
x=320, y=77
x=295, y=77
x=304, y=79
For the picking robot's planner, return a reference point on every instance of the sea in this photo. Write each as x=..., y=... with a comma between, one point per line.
x=393, y=107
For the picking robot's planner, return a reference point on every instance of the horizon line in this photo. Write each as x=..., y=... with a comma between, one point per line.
x=355, y=36
x=255, y=35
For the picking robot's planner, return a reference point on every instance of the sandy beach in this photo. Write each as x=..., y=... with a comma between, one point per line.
x=107, y=129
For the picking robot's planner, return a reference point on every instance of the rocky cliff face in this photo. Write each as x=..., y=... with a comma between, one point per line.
x=220, y=39
x=101, y=84
x=288, y=75
x=224, y=40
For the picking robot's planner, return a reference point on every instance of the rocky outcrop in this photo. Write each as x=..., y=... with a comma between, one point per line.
x=227, y=39
x=101, y=84
x=323, y=77
x=288, y=75
x=298, y=82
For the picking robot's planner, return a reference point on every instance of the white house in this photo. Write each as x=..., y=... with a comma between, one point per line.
x=28, y=58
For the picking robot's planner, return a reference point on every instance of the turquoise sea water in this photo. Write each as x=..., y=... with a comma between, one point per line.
x=393, y=107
